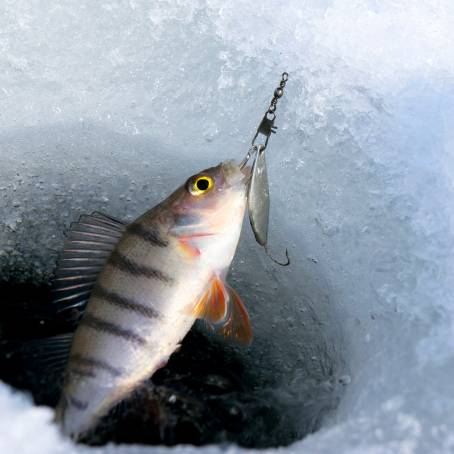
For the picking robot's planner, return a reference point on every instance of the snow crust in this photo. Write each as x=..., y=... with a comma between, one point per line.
x=111, y=105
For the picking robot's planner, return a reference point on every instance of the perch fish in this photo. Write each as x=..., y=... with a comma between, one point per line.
x=144, y=285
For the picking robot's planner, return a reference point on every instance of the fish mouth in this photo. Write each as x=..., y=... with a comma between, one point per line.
x=234, y=175
x=247, y=172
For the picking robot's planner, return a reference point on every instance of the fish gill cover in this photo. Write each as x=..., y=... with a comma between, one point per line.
x=109, y=106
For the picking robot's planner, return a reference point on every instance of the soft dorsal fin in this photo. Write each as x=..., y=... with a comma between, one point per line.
x=221, y=307
x=36, y=357
x=89, y=243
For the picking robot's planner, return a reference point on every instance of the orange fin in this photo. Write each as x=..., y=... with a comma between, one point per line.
x=212, y=305
x=238, y=326
x=187, y=243
x=188, y=248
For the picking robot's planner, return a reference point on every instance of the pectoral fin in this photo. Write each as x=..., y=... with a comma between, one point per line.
x=237, y=326
x=212, y=305
x=221, y=307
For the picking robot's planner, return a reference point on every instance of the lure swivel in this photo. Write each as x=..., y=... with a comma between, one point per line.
x=266, y=126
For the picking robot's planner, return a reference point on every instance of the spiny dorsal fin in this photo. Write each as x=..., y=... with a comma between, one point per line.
x=89, y=243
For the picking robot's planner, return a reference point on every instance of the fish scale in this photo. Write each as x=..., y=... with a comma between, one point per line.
x=162, y=272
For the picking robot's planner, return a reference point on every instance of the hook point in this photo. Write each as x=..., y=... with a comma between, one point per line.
x=286, y=263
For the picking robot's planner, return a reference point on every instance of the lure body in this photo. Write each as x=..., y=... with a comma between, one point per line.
x=259, y=199
x=162, y=271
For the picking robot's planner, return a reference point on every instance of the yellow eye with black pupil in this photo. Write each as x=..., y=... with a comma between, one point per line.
x=201, y=185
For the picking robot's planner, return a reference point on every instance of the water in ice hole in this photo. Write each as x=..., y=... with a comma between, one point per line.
x=208, y=393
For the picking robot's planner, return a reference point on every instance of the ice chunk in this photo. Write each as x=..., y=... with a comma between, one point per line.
x=25, y=428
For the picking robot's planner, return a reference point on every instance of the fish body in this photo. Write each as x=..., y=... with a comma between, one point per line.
x=167, y=268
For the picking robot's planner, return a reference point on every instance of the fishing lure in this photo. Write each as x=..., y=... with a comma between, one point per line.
x=258, y=194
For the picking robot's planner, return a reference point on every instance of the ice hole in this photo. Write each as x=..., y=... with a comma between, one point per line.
x=270, y=394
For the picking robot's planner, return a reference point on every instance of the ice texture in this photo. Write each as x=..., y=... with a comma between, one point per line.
x=111, y=105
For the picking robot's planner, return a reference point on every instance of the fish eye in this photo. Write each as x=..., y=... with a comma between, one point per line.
x=201, y=185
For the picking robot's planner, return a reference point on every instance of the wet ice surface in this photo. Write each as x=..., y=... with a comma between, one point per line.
x=110, y=106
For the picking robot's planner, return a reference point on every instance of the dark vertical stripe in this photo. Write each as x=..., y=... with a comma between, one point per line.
x=151, y=236
x=81, y=372
x=86, y=361
x=121, y=262
x=93, y=322
x=123, y=302
x=78, y=404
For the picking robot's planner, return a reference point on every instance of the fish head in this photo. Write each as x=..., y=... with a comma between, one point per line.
x=213, y=198
x=208, y=209
x=216, y=182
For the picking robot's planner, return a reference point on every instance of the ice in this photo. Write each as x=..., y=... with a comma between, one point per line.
x=110, y=105
x=26, y=429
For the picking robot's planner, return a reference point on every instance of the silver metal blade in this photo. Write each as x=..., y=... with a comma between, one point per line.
x=259, y=199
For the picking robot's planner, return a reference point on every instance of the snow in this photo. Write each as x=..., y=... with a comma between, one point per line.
x=110, y=105
x=26, y=429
